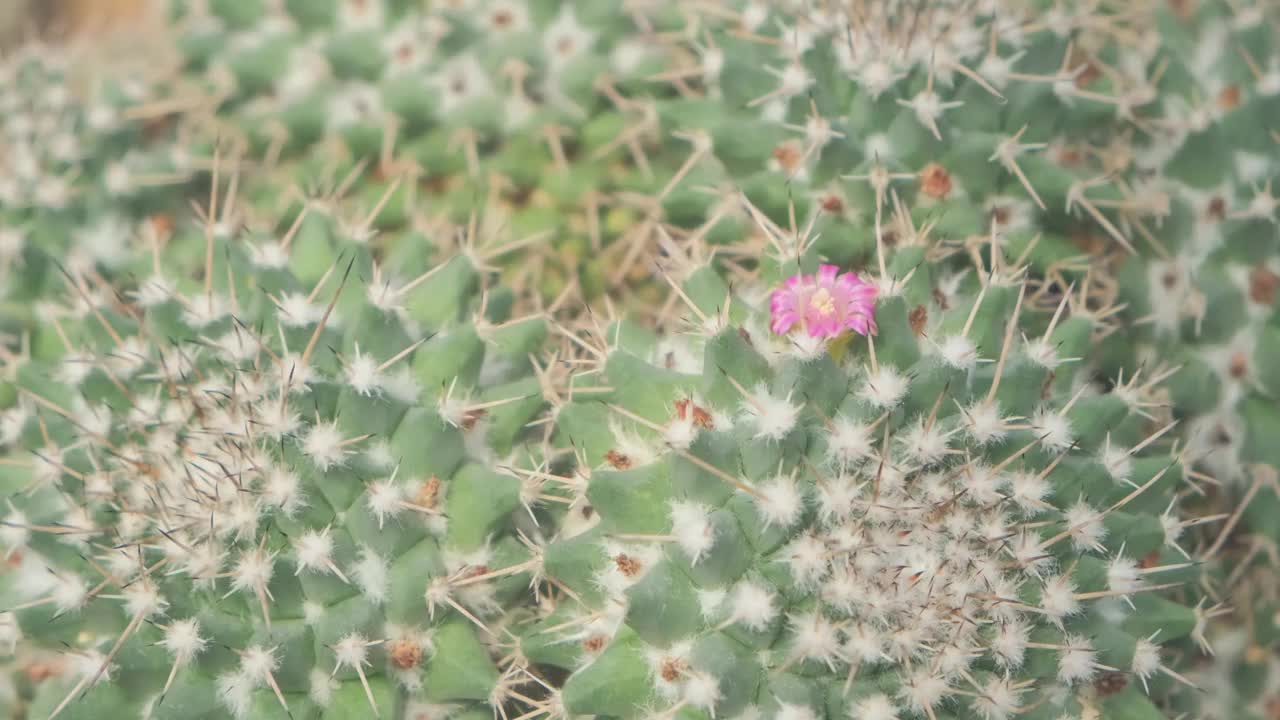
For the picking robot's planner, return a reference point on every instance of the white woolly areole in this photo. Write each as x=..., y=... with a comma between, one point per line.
x=352, y=651
x=874, y=707
x=641, y=450
x=182, y=640
x=753, y=605
x=815, y=638
x=13, y=531
x=1117, y=461
x=701, y=690
x=254, y=570
x=926, y=442
x=297, y=311
x=314, y=551
x=680, y=433
x=370, y=574
x=1077, y=660
x=998, y=699
x=322, y=686
x=1085, y=525
x=380, y=454
x=1169, y=288
x=864, y=644
x=1009, y=644
x=669, y=667
x=257, y=663
x=1043, y=353
x=923, y=690
x=774, y=417
x=323, y=445
x=1053, y=428
x=566, y=38
x=806, y=559
x=87, y=663
x=205, y=309
x=155, y=290
x=883, y=388
x=384, y=499
x=780, y=502
x=626, y=566
x=710, y=602
x=1146, y=659
x=984, y=423
x=203, y=562
x=312, y=612
x=849, y=442
x=269, y=255
x=363, y=375
x=836, y=497
x=1124, y=575
x=143, y=598
x=70, y=592
x=236, y=688
x=1172, y=528
x=1029, y=491
x=282, y=489
x=805, y=348
x=958, y=352
x=691, y=525
x=1057, y=598
x=361, y=15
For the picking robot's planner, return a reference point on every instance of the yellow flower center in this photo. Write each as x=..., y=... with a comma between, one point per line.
x=822, y=302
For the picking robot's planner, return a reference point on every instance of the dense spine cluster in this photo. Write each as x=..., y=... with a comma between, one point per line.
x=537, y=112
x=245, y=493
x=950, y=520
x=1201, y=296
x=1201, y=309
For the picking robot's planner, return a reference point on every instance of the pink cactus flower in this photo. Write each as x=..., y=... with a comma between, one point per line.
x=825, y=304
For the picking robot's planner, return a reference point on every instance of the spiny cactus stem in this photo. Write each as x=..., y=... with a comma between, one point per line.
x=149, y=607
x=1076, y=196
x=328, y=311
x=1262, y=477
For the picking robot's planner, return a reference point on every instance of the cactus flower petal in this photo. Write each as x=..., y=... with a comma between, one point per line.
x=825, y=304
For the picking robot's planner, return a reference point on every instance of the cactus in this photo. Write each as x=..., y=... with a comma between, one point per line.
x=537, y=112
x=253, y=492
x=1201, y=310
x=1201, y=294
x=943, y=519
x=595, y=133
x=1201, y=290
x=868, y=417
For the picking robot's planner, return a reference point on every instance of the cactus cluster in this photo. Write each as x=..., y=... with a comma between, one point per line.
x=1201, y=293
x=735, y=359
x=227, y=493
x=537, y=113
x=950, y=520
x=1200, y=304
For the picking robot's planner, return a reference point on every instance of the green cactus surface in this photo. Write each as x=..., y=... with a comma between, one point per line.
x=522, y=359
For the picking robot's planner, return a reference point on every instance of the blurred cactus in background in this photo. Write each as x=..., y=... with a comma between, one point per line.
x=735, y=359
